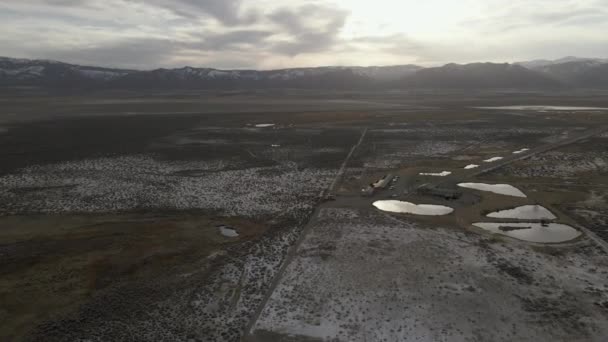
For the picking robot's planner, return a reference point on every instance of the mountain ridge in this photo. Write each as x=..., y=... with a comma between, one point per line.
x=567, y=71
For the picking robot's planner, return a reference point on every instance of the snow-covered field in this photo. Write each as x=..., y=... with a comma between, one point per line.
x=559, y=164
x=393, y=148
x=368, y=277
x=135, y=182
x=594, y=213
x=211, y=305
x=387, y=156
x=220, y=308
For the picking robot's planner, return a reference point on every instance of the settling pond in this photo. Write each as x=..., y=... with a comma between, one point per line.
x=501, y=189
x=532, y=232
x=524, y=212
x=394, y=206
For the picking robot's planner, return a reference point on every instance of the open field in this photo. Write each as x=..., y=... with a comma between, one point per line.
x=113, y=210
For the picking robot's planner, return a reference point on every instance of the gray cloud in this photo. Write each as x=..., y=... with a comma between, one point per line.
x=140, y=53
x=132, y=53
x=71, y=3
x=313, y=28
x=228, y=12
x=246, y=33
x=234, y=39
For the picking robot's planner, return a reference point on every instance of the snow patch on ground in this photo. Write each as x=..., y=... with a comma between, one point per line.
x=436, y=174
x=264, y=125
x=521, y=151
x=471, y=166
x=493, y=159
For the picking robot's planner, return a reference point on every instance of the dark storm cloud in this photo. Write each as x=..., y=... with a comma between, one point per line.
x=313, y=28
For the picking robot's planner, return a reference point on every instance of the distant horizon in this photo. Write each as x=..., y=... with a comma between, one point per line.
x=604, y=59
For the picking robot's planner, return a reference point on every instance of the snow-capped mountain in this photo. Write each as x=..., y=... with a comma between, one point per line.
x=574, y=71
x=569, y=71
x=44, y=72
x=540, y=63
x=25, y=71
x=478, y=75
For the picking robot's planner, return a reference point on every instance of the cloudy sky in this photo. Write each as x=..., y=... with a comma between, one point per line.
x=267, y=34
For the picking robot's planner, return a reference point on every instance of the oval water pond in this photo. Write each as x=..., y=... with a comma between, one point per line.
x=501, y=189
x=525, y=212
x=532, y=232
x=394, y=206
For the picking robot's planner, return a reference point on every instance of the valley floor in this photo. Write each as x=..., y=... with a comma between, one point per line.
x=114, y=209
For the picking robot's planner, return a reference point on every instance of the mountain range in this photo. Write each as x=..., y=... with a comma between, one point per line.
x=565, y=72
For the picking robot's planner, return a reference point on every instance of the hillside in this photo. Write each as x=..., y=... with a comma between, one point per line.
x=478, y=75
x=569, y=71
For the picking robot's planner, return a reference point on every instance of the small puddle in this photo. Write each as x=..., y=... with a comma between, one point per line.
x=228, y=231
x=493, y=159
x=440, y=174
x=501, y=189
x=532, y=232
x=521, y=151
x=394, y=206
x=264, y=125
x=471, y=166
x=525, y=212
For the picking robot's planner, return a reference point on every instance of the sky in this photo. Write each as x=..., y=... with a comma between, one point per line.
x=272, y=34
